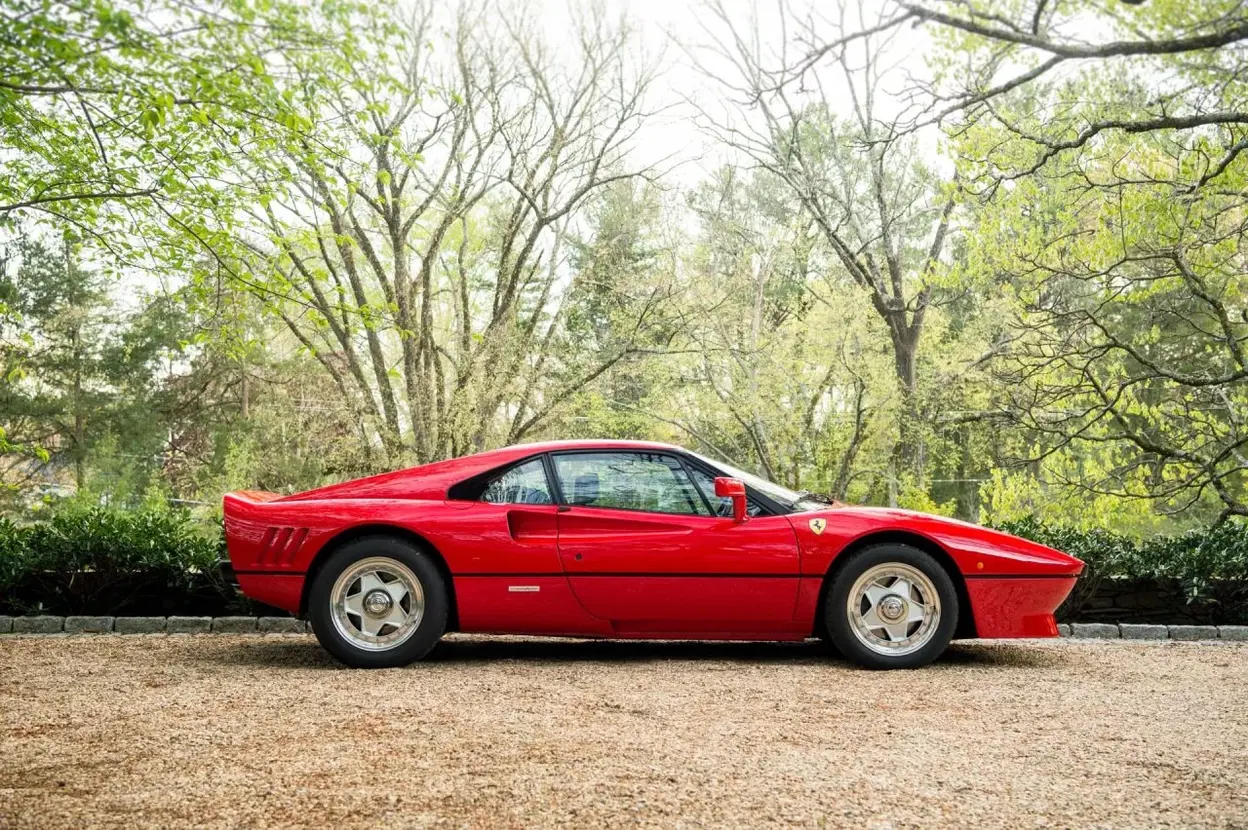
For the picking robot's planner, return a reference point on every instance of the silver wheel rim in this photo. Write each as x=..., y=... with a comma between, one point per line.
x=377, y=603
x=893, y=609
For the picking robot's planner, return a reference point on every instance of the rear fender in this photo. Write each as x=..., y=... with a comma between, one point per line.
x=268, y=534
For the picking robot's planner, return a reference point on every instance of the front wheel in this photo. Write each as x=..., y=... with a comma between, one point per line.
x=378, y=602
x=891, y=607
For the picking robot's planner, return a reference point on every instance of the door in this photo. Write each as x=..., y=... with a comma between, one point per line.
x=508, y=576
x=644, y=549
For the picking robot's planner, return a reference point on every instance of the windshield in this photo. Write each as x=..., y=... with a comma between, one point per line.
x=790, y=499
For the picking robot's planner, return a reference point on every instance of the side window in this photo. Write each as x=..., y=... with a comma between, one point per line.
x=628, y=481
x=522, y=484
x=721, y=506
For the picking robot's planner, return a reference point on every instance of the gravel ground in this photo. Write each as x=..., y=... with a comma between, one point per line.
x=265, y=731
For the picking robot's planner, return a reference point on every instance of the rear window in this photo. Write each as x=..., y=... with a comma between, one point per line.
x=523, y=482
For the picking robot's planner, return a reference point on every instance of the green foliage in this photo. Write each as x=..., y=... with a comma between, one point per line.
x=1109, y=211
x=913, y=497
x=1058, y=498
x=1211, y=565
x=122, y=116
x=102, y=560
x=79, y=372
x=379, y=248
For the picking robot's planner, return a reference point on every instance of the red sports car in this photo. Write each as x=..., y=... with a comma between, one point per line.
x=628, y=539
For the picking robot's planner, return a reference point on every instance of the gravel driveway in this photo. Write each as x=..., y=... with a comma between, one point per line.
x=265, y=731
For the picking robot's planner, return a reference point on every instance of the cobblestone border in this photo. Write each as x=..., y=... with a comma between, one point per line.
x=152, y=625
x=290, y=625
x=1141, y=631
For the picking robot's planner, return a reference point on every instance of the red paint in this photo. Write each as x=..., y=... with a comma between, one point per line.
x=278, y=590
x=1016, y=607
x=966, y=544
x=733, y=488
x=488, y=604
x=604, y=572
x=627, y=566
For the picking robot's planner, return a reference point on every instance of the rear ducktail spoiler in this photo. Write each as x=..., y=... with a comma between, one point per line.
x=259, y=536
x=251, y=496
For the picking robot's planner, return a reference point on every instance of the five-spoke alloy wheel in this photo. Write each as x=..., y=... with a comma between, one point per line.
x=891, y=606
x=378, y=602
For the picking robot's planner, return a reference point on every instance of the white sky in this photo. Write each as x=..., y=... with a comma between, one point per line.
x=677, y=28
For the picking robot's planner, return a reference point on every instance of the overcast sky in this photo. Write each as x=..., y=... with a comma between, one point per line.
x=682, y=32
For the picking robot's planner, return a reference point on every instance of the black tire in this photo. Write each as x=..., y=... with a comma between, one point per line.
x=428, y=631
x=836, y=615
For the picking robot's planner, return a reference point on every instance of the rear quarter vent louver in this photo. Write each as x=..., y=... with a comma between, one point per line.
x=280, y=546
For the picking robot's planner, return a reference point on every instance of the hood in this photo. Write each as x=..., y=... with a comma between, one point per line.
x=976, y=550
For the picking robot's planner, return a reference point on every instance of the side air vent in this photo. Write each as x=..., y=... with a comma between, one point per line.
x=280, y=546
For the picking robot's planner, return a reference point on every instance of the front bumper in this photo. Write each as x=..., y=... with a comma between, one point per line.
x=1017, y=606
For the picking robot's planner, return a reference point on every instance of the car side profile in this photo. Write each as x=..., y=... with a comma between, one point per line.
x=629, y=540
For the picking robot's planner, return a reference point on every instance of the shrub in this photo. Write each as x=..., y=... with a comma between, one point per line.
x=1210, y=565
x=97, y=560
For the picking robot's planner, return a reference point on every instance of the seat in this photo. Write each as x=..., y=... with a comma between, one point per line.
x=584, y=489
x=532, y=495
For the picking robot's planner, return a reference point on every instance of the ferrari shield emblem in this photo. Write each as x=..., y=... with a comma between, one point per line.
x=817, y=525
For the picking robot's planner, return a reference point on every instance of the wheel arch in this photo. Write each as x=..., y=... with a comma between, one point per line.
x=966, y=619
x=357, y=532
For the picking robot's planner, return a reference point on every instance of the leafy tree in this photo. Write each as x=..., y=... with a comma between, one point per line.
x=1102, y=144
x=394, y=235
x=115, y=106
x=1111, y=188
x=78, y=371
x=415, y=243
x=776, y=375
x=1130, y=327
x=882, y=213
x=622, y=265
x=249, y=409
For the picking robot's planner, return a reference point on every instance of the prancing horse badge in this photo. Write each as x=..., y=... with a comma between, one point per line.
x=817, y=525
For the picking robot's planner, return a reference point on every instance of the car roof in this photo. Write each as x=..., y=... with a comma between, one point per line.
x=432, y=481
x=586, y=444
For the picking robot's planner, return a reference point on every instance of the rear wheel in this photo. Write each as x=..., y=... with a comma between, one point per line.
x=891, y=607
x=378, y=602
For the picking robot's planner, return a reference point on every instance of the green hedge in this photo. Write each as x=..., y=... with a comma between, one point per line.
x=98, y=560
x=1210, y=566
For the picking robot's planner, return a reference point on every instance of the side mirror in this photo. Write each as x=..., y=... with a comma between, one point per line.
x=732, y=488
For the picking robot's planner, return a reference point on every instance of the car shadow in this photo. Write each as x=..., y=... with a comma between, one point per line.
x=489, y=649
x=304, y=652
x=1015, y=654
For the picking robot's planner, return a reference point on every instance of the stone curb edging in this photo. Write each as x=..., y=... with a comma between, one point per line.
x=1141, y=631
x=289, y=625
x=44, y=624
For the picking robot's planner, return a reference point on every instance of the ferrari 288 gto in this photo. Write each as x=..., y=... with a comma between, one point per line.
x=629, y=540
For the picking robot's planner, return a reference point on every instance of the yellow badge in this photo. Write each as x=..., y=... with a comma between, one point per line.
x=817, y=525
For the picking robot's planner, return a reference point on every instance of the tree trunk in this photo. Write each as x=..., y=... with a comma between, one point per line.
x=909, y=454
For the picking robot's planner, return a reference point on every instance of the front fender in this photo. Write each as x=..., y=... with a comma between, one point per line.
x=975, y=551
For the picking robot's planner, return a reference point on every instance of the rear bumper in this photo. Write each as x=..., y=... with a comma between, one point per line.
x=1017, y=606
x=281, y=590
x=284, y=591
